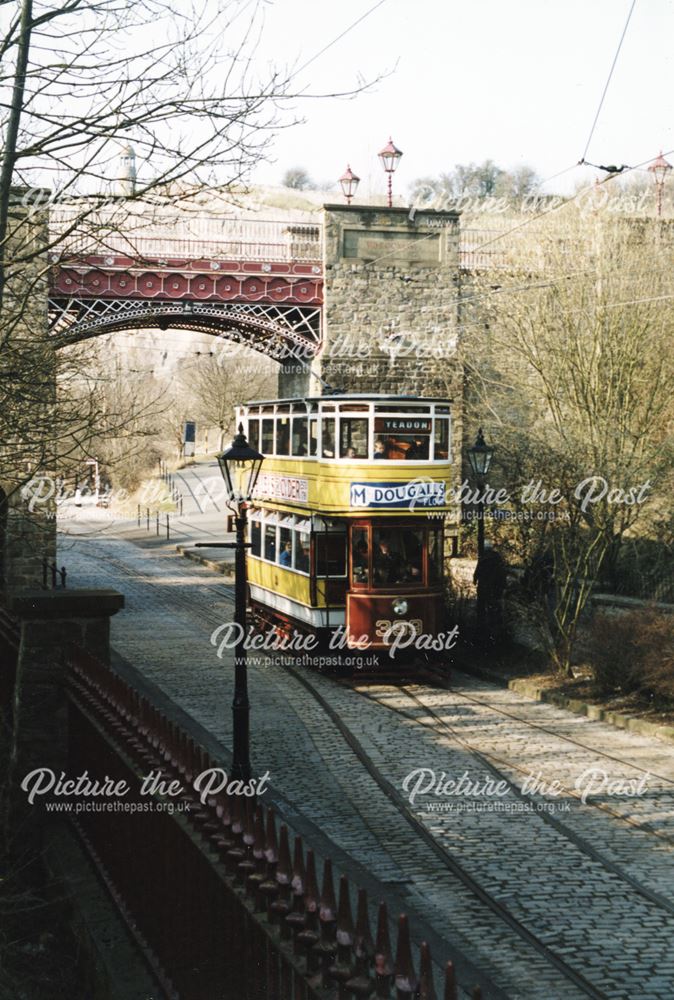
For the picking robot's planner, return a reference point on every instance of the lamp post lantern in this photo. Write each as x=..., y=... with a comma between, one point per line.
x=660, y=168
x=390, y=157
x=349, y=183
x=480, y=456
x=240, y=467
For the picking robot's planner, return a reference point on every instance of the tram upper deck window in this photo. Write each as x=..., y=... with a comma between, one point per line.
x=254, y=433
x=300, y=442
x=397, y=556
x=441, y=441
x=405, y=437
x=267, y=436
x=283, y=435
x=328, y=437
x=353, y=437
x=313, y=436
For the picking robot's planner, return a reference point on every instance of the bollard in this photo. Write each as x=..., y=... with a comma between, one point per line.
x=157, y=523
x=147, y=512
x=168, y=534
x=450, y=982
x=343, y=969
x=383, y=962
x=426, y=986
x=406, y=982
x=138, y=515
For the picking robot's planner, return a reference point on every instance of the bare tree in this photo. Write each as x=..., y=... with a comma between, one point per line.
x=298, y=179
x=227, y=379
x=571, y=372
x=80, y=80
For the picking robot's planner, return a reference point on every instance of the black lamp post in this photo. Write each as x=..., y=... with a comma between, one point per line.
x=349, y=184
x=390, y=157
x=240, y=467
x=480, y=456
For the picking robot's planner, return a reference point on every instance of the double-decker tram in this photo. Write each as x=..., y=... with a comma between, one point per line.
x=346, y=525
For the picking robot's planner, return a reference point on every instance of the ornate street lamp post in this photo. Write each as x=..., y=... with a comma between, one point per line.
x=480, y=456
x=660, y=168
x=349, y=184
x=390, y=157
x=240, y=467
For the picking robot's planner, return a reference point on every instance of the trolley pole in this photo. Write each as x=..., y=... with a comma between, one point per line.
x=240, y=705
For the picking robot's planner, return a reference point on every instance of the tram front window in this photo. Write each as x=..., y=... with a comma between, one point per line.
x=397, y=556
x=434, y=555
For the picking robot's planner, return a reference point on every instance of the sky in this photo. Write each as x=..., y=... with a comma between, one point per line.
x=517, y=81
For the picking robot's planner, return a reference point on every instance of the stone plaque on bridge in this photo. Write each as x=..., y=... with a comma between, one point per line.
x=394, y=247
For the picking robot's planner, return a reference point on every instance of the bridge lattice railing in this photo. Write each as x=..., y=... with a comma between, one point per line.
x=182, y=237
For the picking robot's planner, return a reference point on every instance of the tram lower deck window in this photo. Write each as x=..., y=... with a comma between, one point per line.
x=270, y=542
x=331, y=554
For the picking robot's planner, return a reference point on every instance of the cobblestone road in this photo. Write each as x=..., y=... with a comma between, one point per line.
x=574, y=885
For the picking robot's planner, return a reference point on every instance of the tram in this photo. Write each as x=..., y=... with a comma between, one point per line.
x=346, y=523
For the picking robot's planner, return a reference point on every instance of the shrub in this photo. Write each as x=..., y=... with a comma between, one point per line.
x=633, y=651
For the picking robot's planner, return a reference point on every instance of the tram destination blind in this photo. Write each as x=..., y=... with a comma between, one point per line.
x=402, y=425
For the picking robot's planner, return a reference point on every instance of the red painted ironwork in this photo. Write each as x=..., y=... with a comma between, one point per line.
x=211, y=895
x=198, y=280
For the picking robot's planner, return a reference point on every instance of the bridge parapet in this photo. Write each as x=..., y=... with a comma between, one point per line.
x=183, y=236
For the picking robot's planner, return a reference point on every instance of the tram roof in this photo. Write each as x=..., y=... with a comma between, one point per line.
x=348, y=396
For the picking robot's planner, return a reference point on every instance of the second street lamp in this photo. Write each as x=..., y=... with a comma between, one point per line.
x=240, y=467
x=390, y=157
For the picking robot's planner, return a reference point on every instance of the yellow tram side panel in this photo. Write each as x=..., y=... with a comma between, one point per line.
x=328, y=486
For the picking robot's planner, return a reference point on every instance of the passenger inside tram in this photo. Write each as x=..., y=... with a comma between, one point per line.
x=380, y=448
x=398, y=562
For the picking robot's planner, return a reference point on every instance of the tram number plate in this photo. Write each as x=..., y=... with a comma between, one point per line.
x=413, y=627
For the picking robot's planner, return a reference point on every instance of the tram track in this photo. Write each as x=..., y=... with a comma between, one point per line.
x=442, y=852
x=487, y=758
x=444, y=685
x=578, y=841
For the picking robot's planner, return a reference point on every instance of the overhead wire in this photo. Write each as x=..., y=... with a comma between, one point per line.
x=337, y=39
x=608, y=80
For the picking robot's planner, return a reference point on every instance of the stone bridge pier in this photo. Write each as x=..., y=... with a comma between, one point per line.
x=391, y=288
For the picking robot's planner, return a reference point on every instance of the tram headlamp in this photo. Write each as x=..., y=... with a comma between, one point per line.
x=400, y=606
